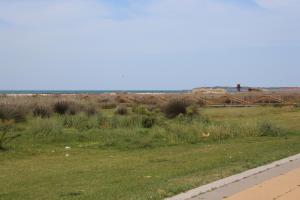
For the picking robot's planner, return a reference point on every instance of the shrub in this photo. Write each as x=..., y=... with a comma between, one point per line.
x=6, y=133
x=61, y=107
x=205, y=119
x=148, y=122
x=277, y=105
x=121, y=99
x=268, y=129
x=153, y=108
x=297, y=105
x=121, y=110
x=12, y=112
x=41, y=111
x=141, y=110
x=108, y=105
x=175, y=107
x=73, y=108
x=192, y=110
x=90, y=110
x=201, y=103
x=66, y=107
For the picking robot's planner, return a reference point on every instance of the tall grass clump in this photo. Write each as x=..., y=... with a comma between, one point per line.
x=121, y=110
x=81, y=121
x=193, y=110
x=75, y=108
x=90, y=110
x=41, y=111
x=222, y=130
x=140, y=110
x=175, y=107
x=7, y=134
x=199, y=130
x=61, y=107
x=118, y=121
x=46, y=127
x=108, y=105
x=67, y=107
x=13, y=112
x=148, y=121
x=267, y=128
x=297, y=105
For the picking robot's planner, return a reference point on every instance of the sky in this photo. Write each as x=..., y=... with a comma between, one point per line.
x=148, y=44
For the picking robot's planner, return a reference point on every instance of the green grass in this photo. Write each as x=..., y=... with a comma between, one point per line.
x=287, y=117
x=122, y=160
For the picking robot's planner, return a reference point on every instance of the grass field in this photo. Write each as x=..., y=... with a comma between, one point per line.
x=112, y=156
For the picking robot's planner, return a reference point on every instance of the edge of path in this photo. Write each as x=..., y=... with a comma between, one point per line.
x=231, y=179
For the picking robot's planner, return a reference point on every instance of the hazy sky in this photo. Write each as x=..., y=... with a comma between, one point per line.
x=148, y=44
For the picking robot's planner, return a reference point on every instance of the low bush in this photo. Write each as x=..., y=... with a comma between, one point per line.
x=67, y=107
x=121, y=110
x=108, y=105
x=277, y=105
x=121, y=99
x=297, y=105
x=7, y=134
x=148, y=122
x=91, y=110
x=266, y=128
x=41, y=111
x=175, y=107
x=74, y=109
x=192, y=110
x=141, y=110
x=153, y=108
x=61, y=107
x=13, y=112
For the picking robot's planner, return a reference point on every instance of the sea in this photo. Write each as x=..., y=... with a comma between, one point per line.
x=228, y=89
x=88, y=91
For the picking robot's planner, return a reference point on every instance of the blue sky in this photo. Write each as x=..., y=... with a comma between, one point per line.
x=148, y=44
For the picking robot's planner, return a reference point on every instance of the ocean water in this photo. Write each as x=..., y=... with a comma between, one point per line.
x=228, y=89
x=87, y=91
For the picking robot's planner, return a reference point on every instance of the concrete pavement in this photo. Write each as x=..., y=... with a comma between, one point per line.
x=283, y=187
x=234, y=186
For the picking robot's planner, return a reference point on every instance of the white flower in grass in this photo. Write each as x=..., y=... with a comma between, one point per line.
x=205, y=134
x=67, y=148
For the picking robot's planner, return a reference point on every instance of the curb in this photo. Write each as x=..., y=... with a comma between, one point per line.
x=231, y=179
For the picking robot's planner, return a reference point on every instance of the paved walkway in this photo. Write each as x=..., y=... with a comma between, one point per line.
x=283, y=187
x=277, y=181
x=261, y=185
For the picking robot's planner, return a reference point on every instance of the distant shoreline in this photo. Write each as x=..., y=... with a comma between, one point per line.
x=90, y=92
x=74, y=92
